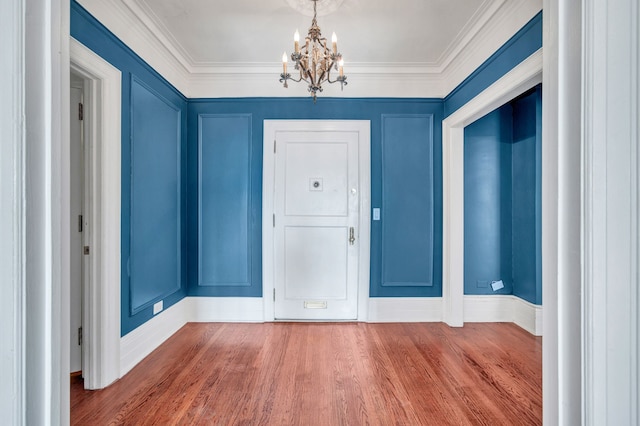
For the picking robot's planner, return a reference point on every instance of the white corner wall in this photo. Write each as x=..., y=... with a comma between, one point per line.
x=12, y=214
x=610, y=223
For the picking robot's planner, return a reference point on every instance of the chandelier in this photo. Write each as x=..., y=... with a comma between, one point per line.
x=314, y=60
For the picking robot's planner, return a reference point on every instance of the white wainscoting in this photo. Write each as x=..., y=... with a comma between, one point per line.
x=504, y=308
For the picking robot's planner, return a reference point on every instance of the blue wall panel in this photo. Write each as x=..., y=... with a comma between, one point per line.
x=407, y=200
x=487, y=203
x=155, y=198
x=519, y=47
x=88, y=31
x=424, y=135
x=225, y=246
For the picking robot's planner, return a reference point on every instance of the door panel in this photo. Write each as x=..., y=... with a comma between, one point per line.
x=316, y=179
x=316, y=205
x=309, y=251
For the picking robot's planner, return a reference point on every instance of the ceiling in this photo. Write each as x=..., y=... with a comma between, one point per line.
x=200, y=44
x=369, y=31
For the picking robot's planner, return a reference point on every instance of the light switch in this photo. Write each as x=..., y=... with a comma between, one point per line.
x=376, y=213
x=157, y=307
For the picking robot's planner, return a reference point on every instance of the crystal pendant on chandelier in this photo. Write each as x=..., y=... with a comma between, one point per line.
x=314, y=60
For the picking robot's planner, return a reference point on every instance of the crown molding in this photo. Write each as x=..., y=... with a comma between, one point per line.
x=127, y=26
x=505, y=22
x=492, y=26
x=360, y=85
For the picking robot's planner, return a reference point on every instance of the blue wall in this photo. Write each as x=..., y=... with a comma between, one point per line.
x=526, y=196
x=405, y=164
x=192, y=181
x=153, y=184
x=502, y=225
x=487, y=202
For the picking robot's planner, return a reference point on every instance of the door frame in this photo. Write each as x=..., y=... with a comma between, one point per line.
x=101, y=299
x=271, y=127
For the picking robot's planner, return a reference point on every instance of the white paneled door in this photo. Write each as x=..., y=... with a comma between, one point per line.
x=316, y=225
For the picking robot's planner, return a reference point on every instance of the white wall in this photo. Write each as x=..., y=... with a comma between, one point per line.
x=590, y=204
x=47, y=252
x=561, y=211
x=12, y=213
x=610, y=222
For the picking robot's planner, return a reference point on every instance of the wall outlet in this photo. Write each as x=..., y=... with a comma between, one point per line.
x=376, y=213
x=157, y=307
x=497, y=285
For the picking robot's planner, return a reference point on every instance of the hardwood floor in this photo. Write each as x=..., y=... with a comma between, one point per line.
x=327, y=374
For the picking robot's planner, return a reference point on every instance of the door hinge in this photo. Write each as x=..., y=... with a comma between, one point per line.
x=80, y=112
x=80, y=336
x=274, y=146
x=274, y=220
x=80, y=223
x=274, y=294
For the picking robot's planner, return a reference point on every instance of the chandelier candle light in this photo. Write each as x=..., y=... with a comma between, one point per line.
x=315, y=60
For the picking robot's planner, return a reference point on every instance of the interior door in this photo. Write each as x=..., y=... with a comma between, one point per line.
x=316, y=204
x=76, y=227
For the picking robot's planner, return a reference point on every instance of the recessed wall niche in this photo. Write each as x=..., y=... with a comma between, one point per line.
x=502, y=193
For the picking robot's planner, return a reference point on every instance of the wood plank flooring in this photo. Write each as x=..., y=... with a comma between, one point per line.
x=327, y=374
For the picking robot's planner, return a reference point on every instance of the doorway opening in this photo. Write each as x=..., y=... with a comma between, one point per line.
x=101, y=92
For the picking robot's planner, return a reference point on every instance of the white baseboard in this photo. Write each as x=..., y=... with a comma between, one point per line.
x=135, y=346
x=225, y=309
x=504, y=308
x=405, y=309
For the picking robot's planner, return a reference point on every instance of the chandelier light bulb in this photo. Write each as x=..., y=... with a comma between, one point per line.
x=284, y=63
x=334, y=43
x=296, y=41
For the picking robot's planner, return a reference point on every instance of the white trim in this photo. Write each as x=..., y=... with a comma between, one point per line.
x=504, y=308
x=12, y=215
x=363, y=127
x=102, y=293
x=505, y=22
x=521, y=78
x=121, y=21
x=225, y=309
x=610, y=228
x=405, y=309
x=139, y=343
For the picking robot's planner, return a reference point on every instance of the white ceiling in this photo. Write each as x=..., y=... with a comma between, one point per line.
x=403, y=48
x=369, y=31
